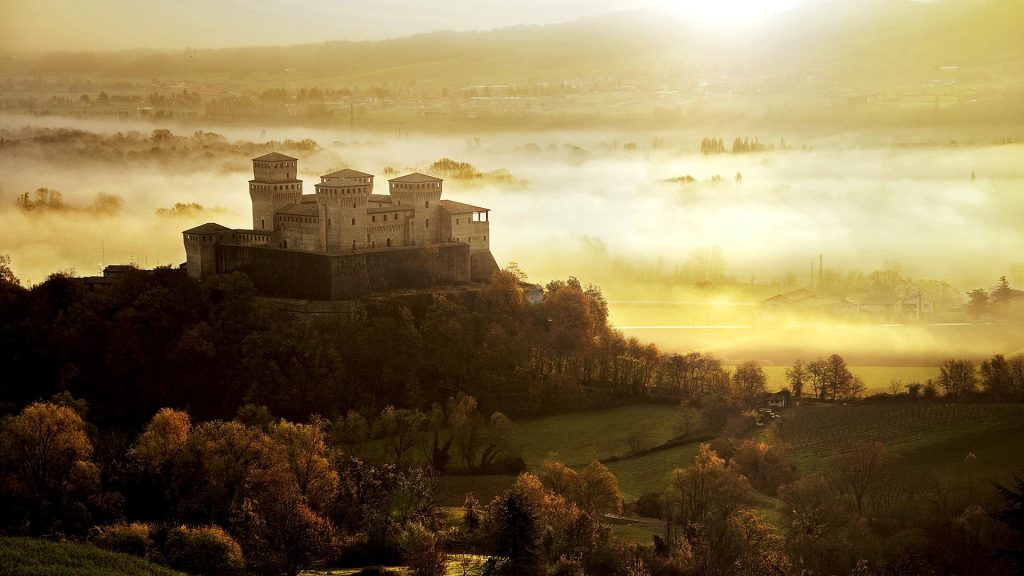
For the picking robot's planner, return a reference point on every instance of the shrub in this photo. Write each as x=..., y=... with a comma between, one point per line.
x=650, y=505
x=374, y=571
x=567, y=566
x=134, y=538
x=203, y=550
x=420, y=552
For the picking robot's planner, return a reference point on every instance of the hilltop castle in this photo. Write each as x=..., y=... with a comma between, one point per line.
x=344, y=241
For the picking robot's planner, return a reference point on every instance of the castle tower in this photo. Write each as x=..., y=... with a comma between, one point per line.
x=423, y=193
x=275, y=184
x=342, y=205
x=201, y=248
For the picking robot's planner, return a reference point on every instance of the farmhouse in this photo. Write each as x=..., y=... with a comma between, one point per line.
x=343, y=240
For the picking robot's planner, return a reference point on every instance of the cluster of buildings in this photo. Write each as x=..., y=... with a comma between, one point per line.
x=803, y=301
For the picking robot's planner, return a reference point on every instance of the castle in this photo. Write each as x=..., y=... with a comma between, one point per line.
x=344, y=241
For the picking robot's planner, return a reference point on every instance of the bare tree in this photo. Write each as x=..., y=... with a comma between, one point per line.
x=857, y=473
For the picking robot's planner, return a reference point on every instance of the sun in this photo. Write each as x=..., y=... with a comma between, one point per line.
x=728, y=14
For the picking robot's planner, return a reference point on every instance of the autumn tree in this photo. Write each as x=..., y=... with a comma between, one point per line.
x=598, y=490
x=559, y=478
x=47, y=468
x=706, y=489
x=302, y=450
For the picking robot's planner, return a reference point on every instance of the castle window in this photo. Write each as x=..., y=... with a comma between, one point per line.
x=353, y=244
x=373, y=218
x=389, y=241
x=353, y=221
x=396, y=217
x=485, y=238
x=457, y=221
x=426, y=203
x=426, y=223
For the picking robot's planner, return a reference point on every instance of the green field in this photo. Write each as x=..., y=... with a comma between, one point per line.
x=584, y=436
x=29, y=557
x=986, y=440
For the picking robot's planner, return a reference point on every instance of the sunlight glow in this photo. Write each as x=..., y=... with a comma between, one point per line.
x=729, y=14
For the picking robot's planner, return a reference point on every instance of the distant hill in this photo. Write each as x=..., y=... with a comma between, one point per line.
x=857, y=41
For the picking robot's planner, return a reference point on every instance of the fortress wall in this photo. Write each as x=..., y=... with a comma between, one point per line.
x=284, y=273
x=482, y=265
x=313, y=276
x=362, y=273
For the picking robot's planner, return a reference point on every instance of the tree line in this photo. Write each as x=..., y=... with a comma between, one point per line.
x=159, y=338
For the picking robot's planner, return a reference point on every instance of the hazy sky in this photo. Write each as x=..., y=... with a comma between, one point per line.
x=33, y=25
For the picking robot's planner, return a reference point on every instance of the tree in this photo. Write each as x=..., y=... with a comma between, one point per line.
x=1012, y=515
x=811, y=509
x=302, y=450
x=7, y=277
x=957, y=377
x=46, y=457
x=497, y=440
x=399, y=428
x=838, y=380
x=559, y=478
x=351, y=431
x=796, y=376
x=997, y=376
x=706, y=489
x=817, y=371
x=517, y=531
x=599, y=490
x=979, y=304
x=687, y=420
x=162, y=441
x=749, y=380
x=858, y=472
x=1002, y=293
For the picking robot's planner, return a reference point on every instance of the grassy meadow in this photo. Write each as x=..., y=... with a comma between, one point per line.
x=30, y=557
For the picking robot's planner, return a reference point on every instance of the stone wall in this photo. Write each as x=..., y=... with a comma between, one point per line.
x=313, y=276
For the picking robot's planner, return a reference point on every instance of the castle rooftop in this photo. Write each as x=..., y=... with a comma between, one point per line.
x=208, y=228
x=340, y=183
x=275, y=157
x=300, y=210
x=347, y=173
x=415, y=177
x=459, y=208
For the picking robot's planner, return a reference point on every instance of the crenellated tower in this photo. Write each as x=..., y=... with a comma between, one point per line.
x=275, y=184
x=342, y=210
x=423, y=193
